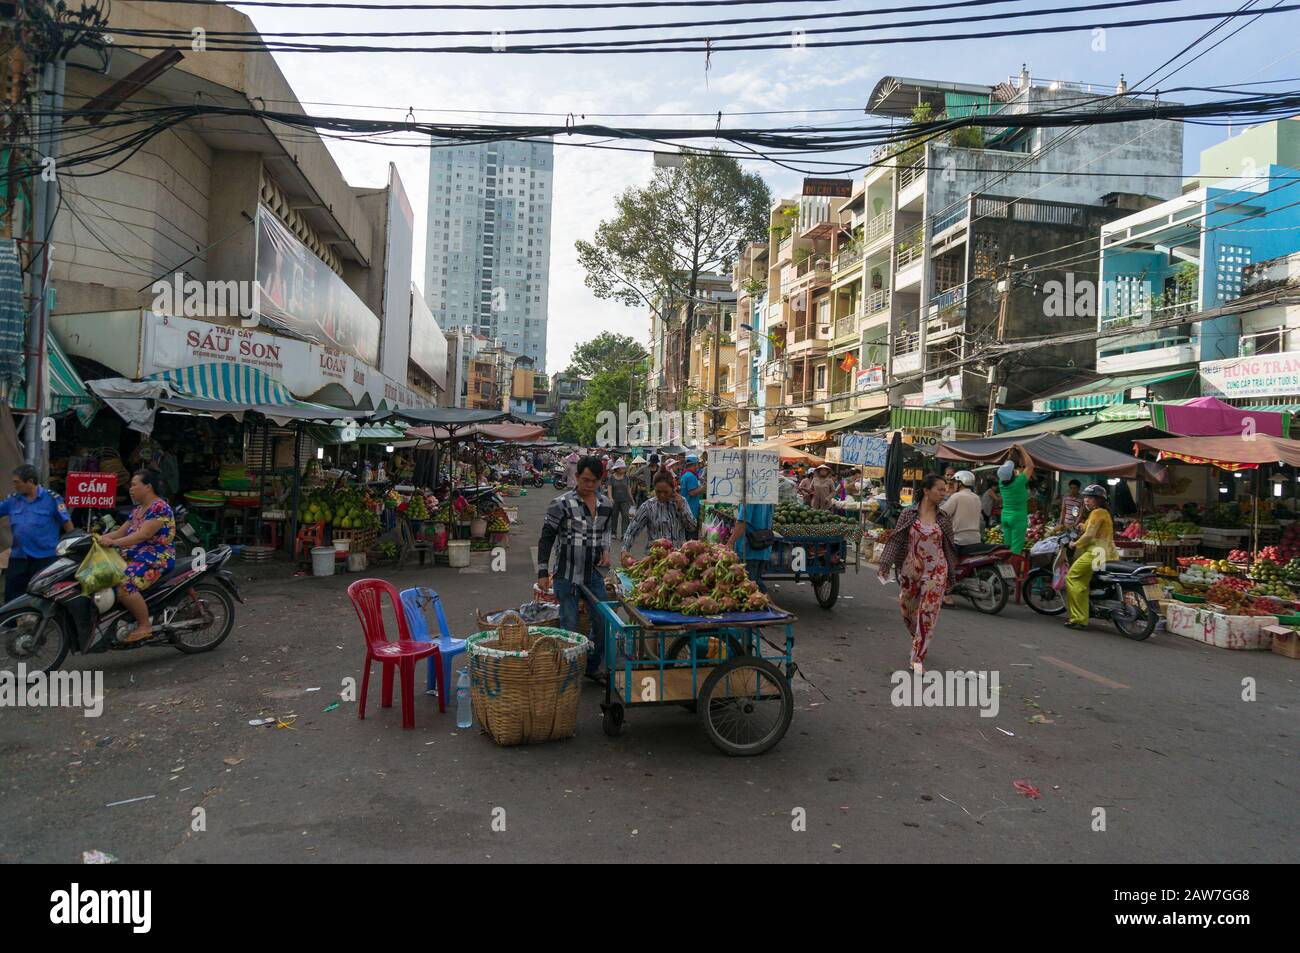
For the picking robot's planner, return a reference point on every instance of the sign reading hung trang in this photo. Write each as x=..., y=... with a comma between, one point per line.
x=302, y=295
x=1262, y=375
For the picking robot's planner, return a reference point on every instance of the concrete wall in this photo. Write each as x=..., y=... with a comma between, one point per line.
x=1252, y=150
x=117, y=232
x=1137, y=155
x=1042, y=305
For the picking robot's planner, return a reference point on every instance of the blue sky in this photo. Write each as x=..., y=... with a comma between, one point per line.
x=587, y=181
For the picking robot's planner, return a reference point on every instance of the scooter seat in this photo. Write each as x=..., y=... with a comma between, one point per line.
x=1125, y=568
x=977, y=549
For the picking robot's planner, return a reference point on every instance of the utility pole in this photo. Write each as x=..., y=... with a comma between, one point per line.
x=715, y=368
x=995, y=370
x=45, y=206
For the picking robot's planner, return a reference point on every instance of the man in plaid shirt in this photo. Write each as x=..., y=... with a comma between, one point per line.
x=577, y=527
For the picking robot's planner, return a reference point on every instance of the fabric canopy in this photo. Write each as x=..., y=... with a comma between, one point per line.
x=67, y=390
x=509, y=432
x=788, y=454
x=1210, y=417
x=1234, y=452
x=1054, y=451
x=137, y=402
x=443, y=416
x=229, y=383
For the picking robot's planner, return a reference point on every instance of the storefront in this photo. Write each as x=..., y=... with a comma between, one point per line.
x=140, y=344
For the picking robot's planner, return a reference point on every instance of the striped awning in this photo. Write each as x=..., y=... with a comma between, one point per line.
x=229, y=383
x=68, y=391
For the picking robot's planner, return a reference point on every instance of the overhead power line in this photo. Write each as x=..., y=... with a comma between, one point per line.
x=225, y=36
x=711, y=45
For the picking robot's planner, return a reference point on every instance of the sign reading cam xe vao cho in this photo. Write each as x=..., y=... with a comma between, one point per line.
x=1263, y=375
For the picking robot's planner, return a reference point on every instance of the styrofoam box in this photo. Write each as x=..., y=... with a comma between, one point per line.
x=1219, y=630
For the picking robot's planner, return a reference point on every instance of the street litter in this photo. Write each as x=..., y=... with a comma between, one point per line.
x=316, y=689
x=97, y=857
x=132, y=800
x=1027, y=789
x=258, y=722
x=1011, y=734
x=331, y=706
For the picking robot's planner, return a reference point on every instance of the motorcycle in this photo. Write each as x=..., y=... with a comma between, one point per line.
x=192, y=608
x=984, y=576
x=534, y=477
x=1118, y=592
x=558, y=478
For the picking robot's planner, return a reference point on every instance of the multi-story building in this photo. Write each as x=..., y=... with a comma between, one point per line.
x=566, y=390
x=542, y=393
x=210, y=206
x=1162, y=267
x=674, y=329
x=751, y=390
x=489, y=240
x=936, y=225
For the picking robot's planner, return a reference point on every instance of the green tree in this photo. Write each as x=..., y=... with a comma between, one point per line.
x=689, y=220
x=604, y=352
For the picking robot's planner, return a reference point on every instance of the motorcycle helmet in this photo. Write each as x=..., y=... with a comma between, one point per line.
x=104, y=599
x=965, y=478
x=1096, y=490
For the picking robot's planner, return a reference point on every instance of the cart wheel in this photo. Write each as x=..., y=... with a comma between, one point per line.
x=679, y=649
x=745, y=706
x=826, y=589
x=612, y=722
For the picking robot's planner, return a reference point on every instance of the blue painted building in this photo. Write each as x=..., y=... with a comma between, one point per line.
x=1190, y=254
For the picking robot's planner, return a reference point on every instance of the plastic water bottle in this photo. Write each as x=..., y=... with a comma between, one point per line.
x=464, y=708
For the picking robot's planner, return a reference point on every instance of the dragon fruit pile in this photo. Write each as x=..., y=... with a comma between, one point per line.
x=698, y=579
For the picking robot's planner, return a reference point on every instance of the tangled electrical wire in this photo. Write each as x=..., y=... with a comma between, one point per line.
x=121, y=132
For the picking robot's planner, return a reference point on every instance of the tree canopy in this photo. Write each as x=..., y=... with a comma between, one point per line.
x=689, y=220
x=605, y=352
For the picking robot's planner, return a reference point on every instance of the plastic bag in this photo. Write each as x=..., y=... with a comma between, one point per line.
x=715, y=530
x=1059, y=573
x=103, y=568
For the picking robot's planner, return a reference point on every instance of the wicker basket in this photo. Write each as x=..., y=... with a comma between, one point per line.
x=525, y=683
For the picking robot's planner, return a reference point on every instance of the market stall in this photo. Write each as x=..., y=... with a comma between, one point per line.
x=1231, y=602
x=686, y=627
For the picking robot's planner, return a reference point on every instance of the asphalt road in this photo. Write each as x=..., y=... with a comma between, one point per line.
x=1155, y=733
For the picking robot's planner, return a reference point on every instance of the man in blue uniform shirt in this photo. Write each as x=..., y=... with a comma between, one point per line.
x=37, y=517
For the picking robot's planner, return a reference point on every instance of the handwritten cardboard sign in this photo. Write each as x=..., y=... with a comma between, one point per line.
x=741, y=475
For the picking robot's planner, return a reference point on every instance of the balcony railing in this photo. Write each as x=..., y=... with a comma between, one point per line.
x=876, y=301
x=847, y=324
x=877, y=228
x=949, y=298
x=811, y=264
x=849, y=257
x=910, y=248
x=808, y=332
x=911, y=173
x=951, y=217
x=1146, y=316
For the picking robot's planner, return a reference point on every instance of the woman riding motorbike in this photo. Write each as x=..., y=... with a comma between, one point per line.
x=1095, y=545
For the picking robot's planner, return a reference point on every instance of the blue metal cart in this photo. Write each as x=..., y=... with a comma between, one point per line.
x=824, y=560
x=721, y=667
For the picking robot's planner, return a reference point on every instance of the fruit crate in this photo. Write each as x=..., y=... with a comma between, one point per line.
x=1167, y=554
x=362, y=539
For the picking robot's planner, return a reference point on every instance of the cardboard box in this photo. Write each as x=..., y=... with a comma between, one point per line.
x=1285, y=640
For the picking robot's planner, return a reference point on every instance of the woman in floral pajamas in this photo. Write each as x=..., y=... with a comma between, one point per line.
x=921, y=553
x=148, y=544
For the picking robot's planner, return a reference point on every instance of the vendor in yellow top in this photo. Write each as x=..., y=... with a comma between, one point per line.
x=1095, y=545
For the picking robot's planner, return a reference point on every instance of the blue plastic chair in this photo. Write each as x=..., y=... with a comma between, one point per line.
x=414, y=601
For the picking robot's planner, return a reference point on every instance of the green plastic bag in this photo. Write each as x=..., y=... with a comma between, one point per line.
x=103, y=568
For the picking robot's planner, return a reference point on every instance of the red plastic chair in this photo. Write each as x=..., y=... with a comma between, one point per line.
x=309, y=535
x=367, y=596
